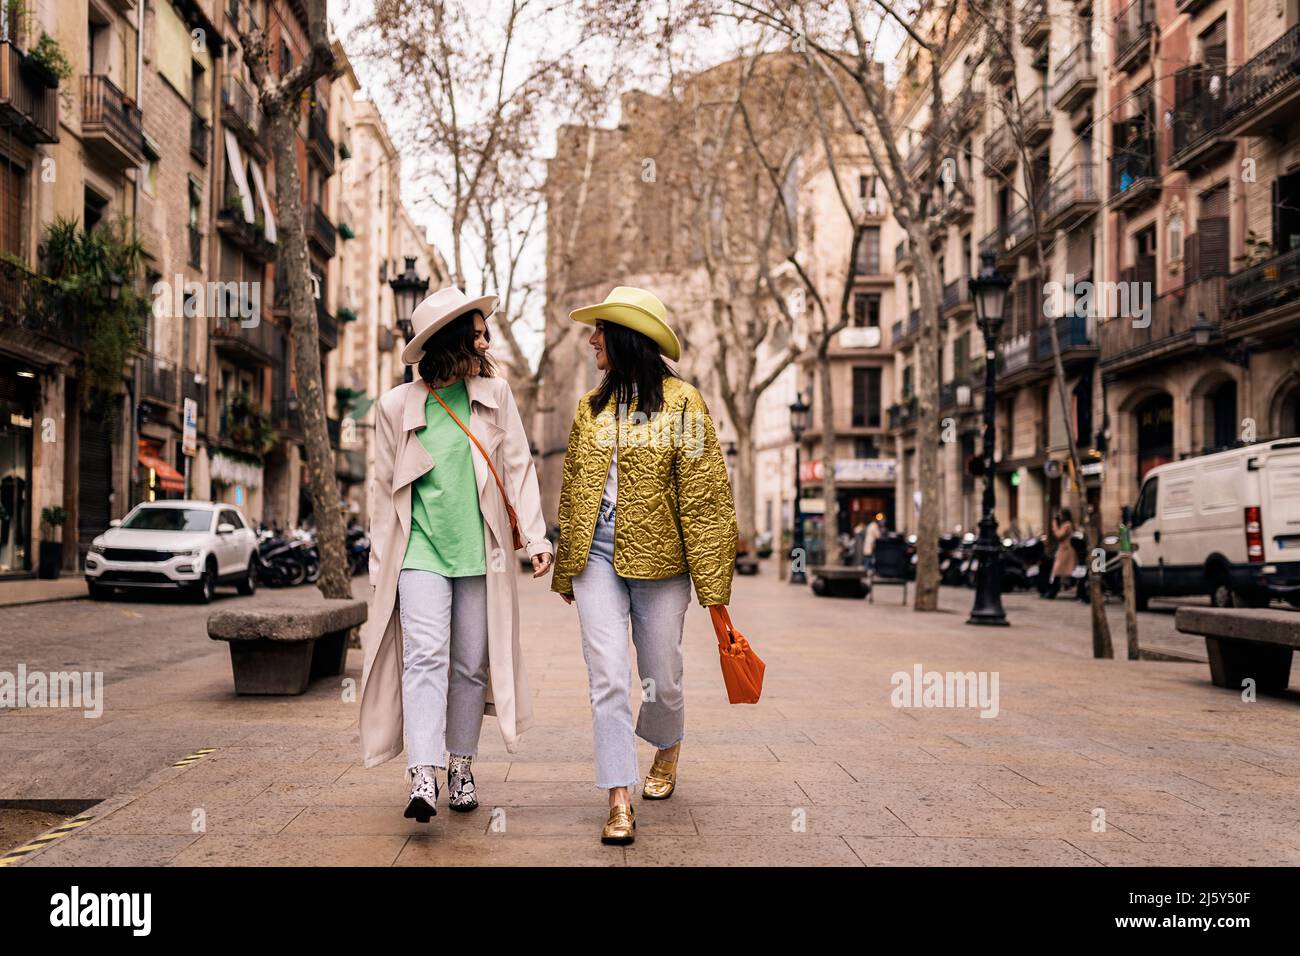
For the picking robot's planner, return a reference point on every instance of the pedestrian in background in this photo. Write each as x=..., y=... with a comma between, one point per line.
x=1063, y=564
x=640, y=520
x=442, y=639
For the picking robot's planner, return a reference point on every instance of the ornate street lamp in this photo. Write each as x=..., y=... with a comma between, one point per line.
x=800, y=415
x=408, y=289
x=989, y=294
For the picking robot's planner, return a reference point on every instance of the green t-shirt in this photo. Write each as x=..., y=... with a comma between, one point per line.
x=446, y=524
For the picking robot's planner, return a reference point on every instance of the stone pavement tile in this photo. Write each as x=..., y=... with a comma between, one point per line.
x=928, y=851
x=944, y=821
x=818, y=820
x=1245, y=777
x=235, y=790
x=850, y=751
x=776, y=791
x=968, y=796
x=883, y=773
x=1183, y=855
x=156, y=815
x=507, y=849
x=384, y=821
x=652, y=817
x=88, y=849
x=1207, y=829
x=791, y=849
x=394, y=771
x=299, y=849
x=1109, y=779
x=1026, y=796
x=552, y=771
x=1010, y=756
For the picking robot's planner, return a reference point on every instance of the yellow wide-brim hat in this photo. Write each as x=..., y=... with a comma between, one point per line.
x=638, y=310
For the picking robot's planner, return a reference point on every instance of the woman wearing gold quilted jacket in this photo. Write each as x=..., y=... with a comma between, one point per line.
x=645, y=511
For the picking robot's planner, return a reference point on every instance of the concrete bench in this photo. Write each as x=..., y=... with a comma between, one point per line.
x=1245, y=643
x=281, y=648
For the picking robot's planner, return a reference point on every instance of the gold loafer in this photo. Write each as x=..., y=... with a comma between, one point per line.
x=660, y=781
x=620, y=829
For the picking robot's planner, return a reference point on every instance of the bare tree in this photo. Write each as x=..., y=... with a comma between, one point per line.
x=281, y=100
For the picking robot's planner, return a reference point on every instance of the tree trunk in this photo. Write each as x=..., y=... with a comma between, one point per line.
x=927, y=427
x=743, y=482
x=334, y=580
x=830, y=504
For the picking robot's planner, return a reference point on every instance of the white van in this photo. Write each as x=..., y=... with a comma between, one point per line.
x=1226, y=525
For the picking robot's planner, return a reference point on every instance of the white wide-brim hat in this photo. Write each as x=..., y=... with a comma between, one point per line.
x=436, y=311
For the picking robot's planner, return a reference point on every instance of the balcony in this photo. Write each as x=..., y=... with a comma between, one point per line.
x=1076, y=79
x=1037, y=117
x=322, y=231
x=1071, y=335
x=994, y=243
x=902, y=255
x=111, y=123
x=956, y=205
x=1264, y=95
x=1200, y=102
x=256, y=343
x=1072, y=197
x=1015, y=354
x=956, y=394
x=1266, y=286
x=1034, y=23
x=1135, y=176
x=30, y=310
x=241, y=113
x=249, y=237
x=327, y=328
x=917, y=160
x=159, y=381
x=286, y=416
x=1018, y=236
x=1125, y=344
x=1133, y=29
x=29, y=110
x=200, y=132
x=1000, y=150
x=968, y=108
x=902, y=414
x=318, y=137
x=956, y=298
x=1190, y=6
x=902, y=331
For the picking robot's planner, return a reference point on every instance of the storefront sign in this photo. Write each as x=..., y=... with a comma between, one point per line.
x=852, y=469
x=190, y=434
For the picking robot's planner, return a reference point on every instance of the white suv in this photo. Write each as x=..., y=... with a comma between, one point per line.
x=190, y=545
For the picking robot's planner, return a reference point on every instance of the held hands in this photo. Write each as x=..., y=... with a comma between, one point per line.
x=541, y=564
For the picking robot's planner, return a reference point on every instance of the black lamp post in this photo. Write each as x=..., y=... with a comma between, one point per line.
x=408, y=289
x=800, y=414
x=989, y=294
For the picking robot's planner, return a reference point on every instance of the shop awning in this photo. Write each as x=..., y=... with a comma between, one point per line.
x=169, y=479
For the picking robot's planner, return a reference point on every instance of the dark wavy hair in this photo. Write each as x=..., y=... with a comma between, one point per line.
x=449, y=354
x=634, y=363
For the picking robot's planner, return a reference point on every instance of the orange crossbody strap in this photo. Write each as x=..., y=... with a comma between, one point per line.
x=470, y=434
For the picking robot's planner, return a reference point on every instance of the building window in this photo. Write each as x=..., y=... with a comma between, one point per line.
x=1176, y=237
x=869, y=252
x=866, y=310
x=866, y=397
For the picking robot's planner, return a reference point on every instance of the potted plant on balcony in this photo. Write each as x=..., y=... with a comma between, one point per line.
x=52, y=521
x=346, y=314
x=46, y=63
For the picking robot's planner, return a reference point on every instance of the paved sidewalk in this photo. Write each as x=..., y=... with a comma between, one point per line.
x=68, y=587
x=825, y=771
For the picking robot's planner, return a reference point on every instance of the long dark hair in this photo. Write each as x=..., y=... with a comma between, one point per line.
x=449, y=354
x=634, y=363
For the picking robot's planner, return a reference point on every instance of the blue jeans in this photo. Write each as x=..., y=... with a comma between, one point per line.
x=656, y=610
x=444, y=664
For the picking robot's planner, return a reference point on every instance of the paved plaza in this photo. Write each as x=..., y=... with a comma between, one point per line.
x=1086, y=762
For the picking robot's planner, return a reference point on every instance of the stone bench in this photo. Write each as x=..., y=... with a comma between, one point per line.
x=1245, y=643
x=281, y=648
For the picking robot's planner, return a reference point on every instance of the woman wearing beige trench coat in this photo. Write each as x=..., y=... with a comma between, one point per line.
x=401, y=459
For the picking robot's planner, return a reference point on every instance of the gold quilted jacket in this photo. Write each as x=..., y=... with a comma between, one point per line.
x=675, y=511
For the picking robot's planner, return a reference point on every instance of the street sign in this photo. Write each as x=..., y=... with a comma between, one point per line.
x=190, y=434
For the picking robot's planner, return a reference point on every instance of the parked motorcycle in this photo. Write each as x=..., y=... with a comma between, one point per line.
x=277, y=563
x=358, y=547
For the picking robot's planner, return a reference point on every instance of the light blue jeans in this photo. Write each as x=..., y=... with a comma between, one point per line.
x=444, y=664
x=607, y=604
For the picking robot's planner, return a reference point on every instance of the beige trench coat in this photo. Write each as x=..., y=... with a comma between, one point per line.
x=400, y=459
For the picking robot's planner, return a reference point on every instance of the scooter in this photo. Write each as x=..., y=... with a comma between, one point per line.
x=358, y=547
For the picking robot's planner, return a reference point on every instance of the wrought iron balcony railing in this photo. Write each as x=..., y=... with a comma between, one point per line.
x=28, y=107
x=111, y=123
x=1265, y=92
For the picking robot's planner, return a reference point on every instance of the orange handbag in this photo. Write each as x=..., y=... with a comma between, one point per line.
x=742, y=669
x=517, y=538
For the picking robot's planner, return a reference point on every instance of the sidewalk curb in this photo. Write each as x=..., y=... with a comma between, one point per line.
x=43, y=600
